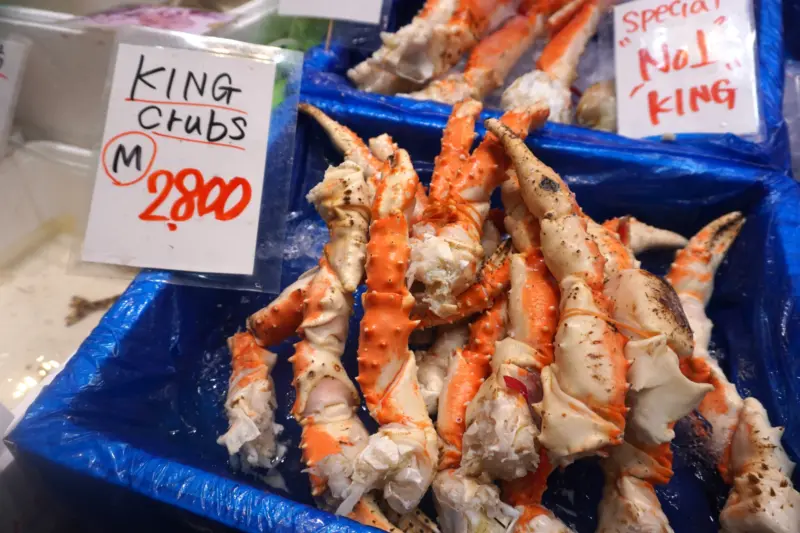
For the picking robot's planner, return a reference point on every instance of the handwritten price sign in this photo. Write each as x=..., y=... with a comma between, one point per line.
x=181, y=170
x=685, y=66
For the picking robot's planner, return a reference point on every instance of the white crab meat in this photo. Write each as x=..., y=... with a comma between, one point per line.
x=537, y=87
x=501, y=434
x=445, y=263
x=253, y=432
x=391, y=459
x=466, y=505
x=660, y=393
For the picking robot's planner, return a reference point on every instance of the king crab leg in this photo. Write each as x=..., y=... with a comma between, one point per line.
x=445, y=245
x=457, y=139
x=431, y=44
x=534, y=317
x=557, y=67
x=467, y=503
x=563, y=16
x=489, y=63
x=251, y=404
x=500, y=439
x=280, y=319
x=467, y=370
x=648, y=312
x=350, y=145
x=692, y=275
x=583, y=404
x=401, y=457
x=326, y=398
x=744, y=442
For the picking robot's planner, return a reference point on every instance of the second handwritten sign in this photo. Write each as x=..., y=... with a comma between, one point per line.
x=685, y=66
x=181, y=170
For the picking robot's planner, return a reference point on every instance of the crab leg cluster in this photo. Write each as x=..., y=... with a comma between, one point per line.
x=745, y=444
x=583, y=403
x=414, y=61
x=551, y=345
x=491, y=60
x=557, y=67
x=434, y=41
x=446, y=244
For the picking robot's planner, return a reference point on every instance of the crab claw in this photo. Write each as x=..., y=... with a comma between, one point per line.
x=692, y=273
x=648, y=301
x=762, y=499
x=641, y=237
x=346, y=141
x=279, y=320
x=660, y=393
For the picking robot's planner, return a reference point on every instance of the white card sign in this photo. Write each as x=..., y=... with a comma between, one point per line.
x=366, y=11
x=685, y=66
x=12, y=61
x=181, y=169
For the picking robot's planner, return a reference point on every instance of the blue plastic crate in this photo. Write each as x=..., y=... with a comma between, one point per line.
x=325, y=76
x=140, y=406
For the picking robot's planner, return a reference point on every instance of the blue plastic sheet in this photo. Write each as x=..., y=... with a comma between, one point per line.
x=324, y=75
x=140, y=406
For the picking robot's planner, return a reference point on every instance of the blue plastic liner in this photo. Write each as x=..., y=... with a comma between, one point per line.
x=140, y=406
x=324, y=75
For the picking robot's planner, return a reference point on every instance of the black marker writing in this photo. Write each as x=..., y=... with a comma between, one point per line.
x=187, y=104
x=127, y=158
x=141, y=76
